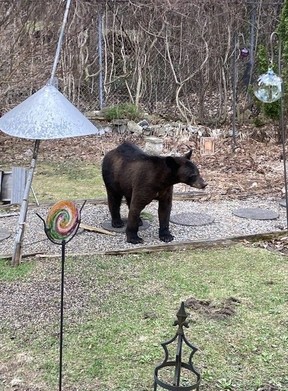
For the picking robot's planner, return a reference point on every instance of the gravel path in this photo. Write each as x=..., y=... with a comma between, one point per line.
x=225, y=225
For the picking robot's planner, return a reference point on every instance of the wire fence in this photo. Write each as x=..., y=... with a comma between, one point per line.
x=177, y=60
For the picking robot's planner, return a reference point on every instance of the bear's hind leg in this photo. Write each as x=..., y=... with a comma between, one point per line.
x=128, y=201
x=114, y=203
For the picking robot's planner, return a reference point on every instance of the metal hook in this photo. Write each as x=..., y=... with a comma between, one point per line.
x=243, y=38
x=274, y=34
x=237, y=45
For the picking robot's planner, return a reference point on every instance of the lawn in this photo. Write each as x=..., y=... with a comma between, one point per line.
x=118, y=311
x=54, y=181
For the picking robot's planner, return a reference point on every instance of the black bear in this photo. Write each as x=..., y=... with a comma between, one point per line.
x=131, y=173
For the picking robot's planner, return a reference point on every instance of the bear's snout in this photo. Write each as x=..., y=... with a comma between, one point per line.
x=200, y=183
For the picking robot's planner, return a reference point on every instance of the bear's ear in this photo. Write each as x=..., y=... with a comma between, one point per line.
x=188, y=154
x=171, y=163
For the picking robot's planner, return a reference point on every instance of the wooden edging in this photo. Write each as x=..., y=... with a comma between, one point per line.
x=199, y=244
x=205, y=244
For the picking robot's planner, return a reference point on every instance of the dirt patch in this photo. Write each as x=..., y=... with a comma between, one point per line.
x=252, y=169
x=218, y=311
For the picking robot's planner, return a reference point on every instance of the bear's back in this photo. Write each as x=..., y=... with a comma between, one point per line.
x=130, y=152
x=128, y=163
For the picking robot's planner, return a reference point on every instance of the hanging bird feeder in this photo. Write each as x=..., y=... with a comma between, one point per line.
x=45, y=115
x=268, y=88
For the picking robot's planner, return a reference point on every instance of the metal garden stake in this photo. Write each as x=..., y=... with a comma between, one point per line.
x=61, y=226
x=177, y=364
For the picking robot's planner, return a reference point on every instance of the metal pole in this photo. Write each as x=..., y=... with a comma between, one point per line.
x=178, y=362
x=283, y=135
x=100, y=54
x=59, y=44
x=17, y=253
x=234, y=83
x=252, y=40
x=61, y=315
x=282, y=126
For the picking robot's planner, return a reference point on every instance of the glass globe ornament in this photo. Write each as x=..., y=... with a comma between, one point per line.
x=269, y=87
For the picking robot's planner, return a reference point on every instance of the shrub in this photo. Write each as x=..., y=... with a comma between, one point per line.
x=122, y=111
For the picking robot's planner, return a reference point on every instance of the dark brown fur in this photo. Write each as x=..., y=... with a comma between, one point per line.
x=129, y=172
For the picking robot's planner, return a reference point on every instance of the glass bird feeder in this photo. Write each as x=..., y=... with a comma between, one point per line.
x=269, y=87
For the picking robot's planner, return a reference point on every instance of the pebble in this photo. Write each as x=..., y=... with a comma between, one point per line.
x=225, y=225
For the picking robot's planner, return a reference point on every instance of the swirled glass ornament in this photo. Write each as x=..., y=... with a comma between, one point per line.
x=269, y=87
x=62, y=221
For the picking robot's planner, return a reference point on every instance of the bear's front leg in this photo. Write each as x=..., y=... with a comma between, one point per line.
x=165, y=235
x=164, y=210
x=117, y=223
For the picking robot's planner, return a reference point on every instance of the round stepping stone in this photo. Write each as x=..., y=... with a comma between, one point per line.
x=4, y=234
x=193, y=219
x=256, y=213
x=107, y=225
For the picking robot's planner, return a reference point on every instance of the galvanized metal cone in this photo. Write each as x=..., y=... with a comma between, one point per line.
x=45, y=115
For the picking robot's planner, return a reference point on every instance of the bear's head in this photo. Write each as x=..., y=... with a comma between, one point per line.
x=185, y=171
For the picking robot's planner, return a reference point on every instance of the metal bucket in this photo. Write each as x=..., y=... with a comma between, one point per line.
x=5, y=186
x=12, y=185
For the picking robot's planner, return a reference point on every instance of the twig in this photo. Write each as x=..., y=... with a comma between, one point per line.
x=96, y=229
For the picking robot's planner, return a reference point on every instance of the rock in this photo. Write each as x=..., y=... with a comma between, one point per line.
x=94, y=115
x=134, y=128
x=119, y=125
x=16, y=382
x=157, y=130
x=144, y=124
x=119, y=122
x=28, y=152
x=154, y=145
x=216, y=133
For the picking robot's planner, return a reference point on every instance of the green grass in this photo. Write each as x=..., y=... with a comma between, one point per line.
x=69, y=180
x=8, y=273
x=114, y=341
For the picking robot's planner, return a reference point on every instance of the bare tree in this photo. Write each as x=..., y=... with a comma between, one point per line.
x=173, y=57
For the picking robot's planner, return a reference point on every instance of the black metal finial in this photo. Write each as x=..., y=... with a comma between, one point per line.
x=181, y=319
x=178, y=363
